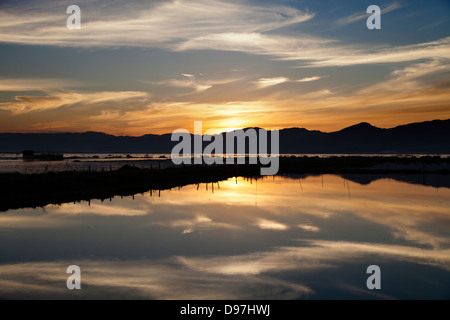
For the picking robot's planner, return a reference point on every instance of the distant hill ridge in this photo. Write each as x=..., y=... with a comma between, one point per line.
x=430, y=137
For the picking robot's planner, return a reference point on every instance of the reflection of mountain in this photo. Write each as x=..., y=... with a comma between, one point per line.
x=424, y=137
x=428, y=179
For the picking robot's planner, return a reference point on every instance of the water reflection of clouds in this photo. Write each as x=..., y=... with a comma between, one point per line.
x=271, y=225
x=411, y=212
x=316, y=255
x=140, y=279
x=308, y=227
x=240, y=203
x=246, y=276
x=257, y=230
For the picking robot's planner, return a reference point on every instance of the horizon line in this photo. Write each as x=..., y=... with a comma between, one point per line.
x=224, y=132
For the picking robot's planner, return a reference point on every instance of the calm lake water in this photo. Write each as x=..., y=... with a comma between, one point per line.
x=274, y=238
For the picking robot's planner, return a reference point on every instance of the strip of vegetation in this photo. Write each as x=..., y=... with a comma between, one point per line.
x=36, y=190
x=364, y=164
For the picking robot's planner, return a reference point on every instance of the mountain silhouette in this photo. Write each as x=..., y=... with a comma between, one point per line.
x=430, y=137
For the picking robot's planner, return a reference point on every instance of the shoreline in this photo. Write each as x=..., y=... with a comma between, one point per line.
x=37, y=190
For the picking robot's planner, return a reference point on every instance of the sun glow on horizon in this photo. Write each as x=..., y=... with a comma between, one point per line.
x=226, y=125
x=232, y=65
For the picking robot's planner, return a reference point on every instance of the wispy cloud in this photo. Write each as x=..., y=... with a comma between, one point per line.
x=317, y=52
x=30, y=84
x=54, y=100
x=308, y=79
x=197, y=83
x=360, y=16
x=439, y=49
x=188, y=83
x=404, y=94
x=162, y=23
x=203, y=25
x=267, y=82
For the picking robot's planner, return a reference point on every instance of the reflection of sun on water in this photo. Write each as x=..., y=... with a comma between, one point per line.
x=233, y=183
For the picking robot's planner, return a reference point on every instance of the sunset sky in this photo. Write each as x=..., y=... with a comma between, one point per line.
x=138, y=67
